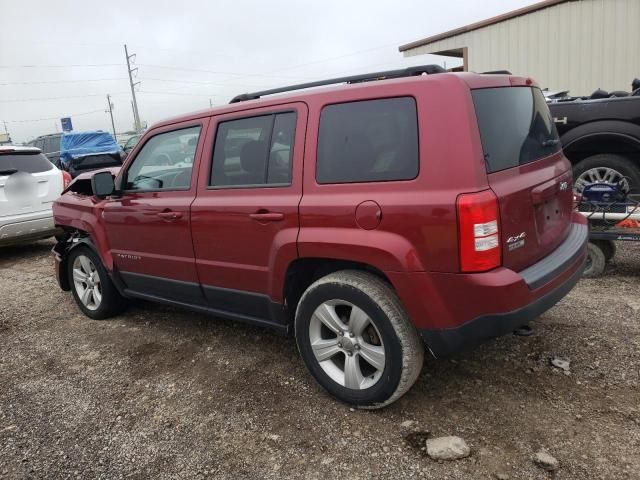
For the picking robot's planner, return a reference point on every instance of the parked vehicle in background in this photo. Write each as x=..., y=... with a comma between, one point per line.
x=49, y=145
x=130, y=143
x=600, y=135
x=351, y=216
x=84, y=151
x=29, y=183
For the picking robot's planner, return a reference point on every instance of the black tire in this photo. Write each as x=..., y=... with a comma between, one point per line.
x=595, y=261
x=608, y=248
x=111, y=302
x=625, y=167
x=402, y=346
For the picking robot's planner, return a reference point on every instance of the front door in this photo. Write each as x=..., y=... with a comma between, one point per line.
x=149, y=226
x=245, y=216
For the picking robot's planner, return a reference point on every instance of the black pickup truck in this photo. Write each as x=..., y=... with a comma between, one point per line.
x=600, y=135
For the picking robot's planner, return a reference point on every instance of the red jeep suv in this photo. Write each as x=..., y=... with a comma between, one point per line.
x=394, y=212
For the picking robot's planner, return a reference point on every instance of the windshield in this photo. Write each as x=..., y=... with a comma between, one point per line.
x=515, y=125
x=29, y=162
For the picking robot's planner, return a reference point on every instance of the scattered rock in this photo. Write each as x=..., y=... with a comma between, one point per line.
x=563, y=364
x=502, y=476
x=273, y=437
x=447, y=448
x=407, y=423
x=545, y=461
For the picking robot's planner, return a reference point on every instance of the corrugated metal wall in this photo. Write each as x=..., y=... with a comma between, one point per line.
x=579, y=45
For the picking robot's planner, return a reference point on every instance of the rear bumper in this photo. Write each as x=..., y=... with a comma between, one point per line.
x=28, y=226
x=446, y=342
x=454, y=312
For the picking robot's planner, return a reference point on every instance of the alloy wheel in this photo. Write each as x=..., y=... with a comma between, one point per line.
x=601, y=175
x=347, y=344
x=86, y=281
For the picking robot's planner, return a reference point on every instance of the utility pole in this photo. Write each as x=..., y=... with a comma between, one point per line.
x=5, y=127
x=113, y=125
x=136, y=114
x=210, y=103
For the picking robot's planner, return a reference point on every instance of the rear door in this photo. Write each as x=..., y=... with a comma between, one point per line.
x=245, y=217
x=527, y=171
x=28, y=183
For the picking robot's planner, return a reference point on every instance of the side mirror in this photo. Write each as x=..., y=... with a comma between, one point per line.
x=102, y=184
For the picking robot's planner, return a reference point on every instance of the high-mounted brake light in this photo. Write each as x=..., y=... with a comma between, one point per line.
x=66, y=179
x=479, y=232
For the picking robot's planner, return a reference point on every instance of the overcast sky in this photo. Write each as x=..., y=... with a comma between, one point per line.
x=60, y=58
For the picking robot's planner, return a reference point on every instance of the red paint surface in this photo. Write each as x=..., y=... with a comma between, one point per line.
x=217, y=241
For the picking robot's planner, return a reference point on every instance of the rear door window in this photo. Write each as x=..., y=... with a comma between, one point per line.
x=515, y=125
x=368, y=141
x=254, y=151
x=28, y=162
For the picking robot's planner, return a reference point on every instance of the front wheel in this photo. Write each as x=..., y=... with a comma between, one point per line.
x=356, y=339
x=91, y=286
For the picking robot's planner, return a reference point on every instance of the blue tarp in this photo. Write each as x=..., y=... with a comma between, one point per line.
x=79, y=144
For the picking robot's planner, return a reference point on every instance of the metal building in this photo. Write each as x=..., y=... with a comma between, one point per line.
x=580, y=45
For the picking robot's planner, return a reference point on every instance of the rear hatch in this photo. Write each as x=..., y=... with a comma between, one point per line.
x=527, y=171
x=28, y=182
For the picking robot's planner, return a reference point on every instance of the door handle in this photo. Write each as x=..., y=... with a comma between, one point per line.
x=170, y=215
x=267, y=216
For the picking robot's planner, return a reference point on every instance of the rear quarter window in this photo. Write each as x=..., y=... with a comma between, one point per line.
x=515, y=126
x=368, y=141
x=28, y=162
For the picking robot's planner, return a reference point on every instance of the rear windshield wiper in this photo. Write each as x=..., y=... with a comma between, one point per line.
x=552, y=142
x=8, y=171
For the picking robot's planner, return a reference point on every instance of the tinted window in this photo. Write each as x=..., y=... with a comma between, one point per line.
x=515, y=125
x=254, y=151
x=369, y=141
x=165, y=161
x=24, y=162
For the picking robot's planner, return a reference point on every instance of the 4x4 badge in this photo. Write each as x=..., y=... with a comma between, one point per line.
x=564, y=186
x=517, y=241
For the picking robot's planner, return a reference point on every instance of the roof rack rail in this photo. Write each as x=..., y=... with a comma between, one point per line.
x=367, y=77
x=497, y=72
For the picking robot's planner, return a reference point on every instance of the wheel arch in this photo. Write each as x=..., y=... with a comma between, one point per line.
x=302, y=272
x=74, y=239
x=615, y=137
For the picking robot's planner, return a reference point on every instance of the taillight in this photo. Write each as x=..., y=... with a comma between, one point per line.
x=479, y=231
x=66, y=179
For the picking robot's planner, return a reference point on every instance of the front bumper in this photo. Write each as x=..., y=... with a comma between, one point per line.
x=454, y=312
x=25, y=227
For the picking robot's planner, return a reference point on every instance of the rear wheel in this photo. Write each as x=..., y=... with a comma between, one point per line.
x=607, y=168
x=356, y=339
x=596, y=261
x=91, y=286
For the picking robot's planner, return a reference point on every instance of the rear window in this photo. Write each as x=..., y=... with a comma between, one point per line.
x=368, y=141
x=24, y=162
x=515, y=125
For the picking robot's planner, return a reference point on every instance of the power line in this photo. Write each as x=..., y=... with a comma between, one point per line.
x=47, y=82
x=216, y=72
x=54, y=118
x=56, y=98
x=71, y=65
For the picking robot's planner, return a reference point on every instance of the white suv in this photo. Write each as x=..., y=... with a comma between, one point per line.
x=29, y=184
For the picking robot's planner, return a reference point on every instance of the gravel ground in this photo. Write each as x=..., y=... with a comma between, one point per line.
x=162, y=393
